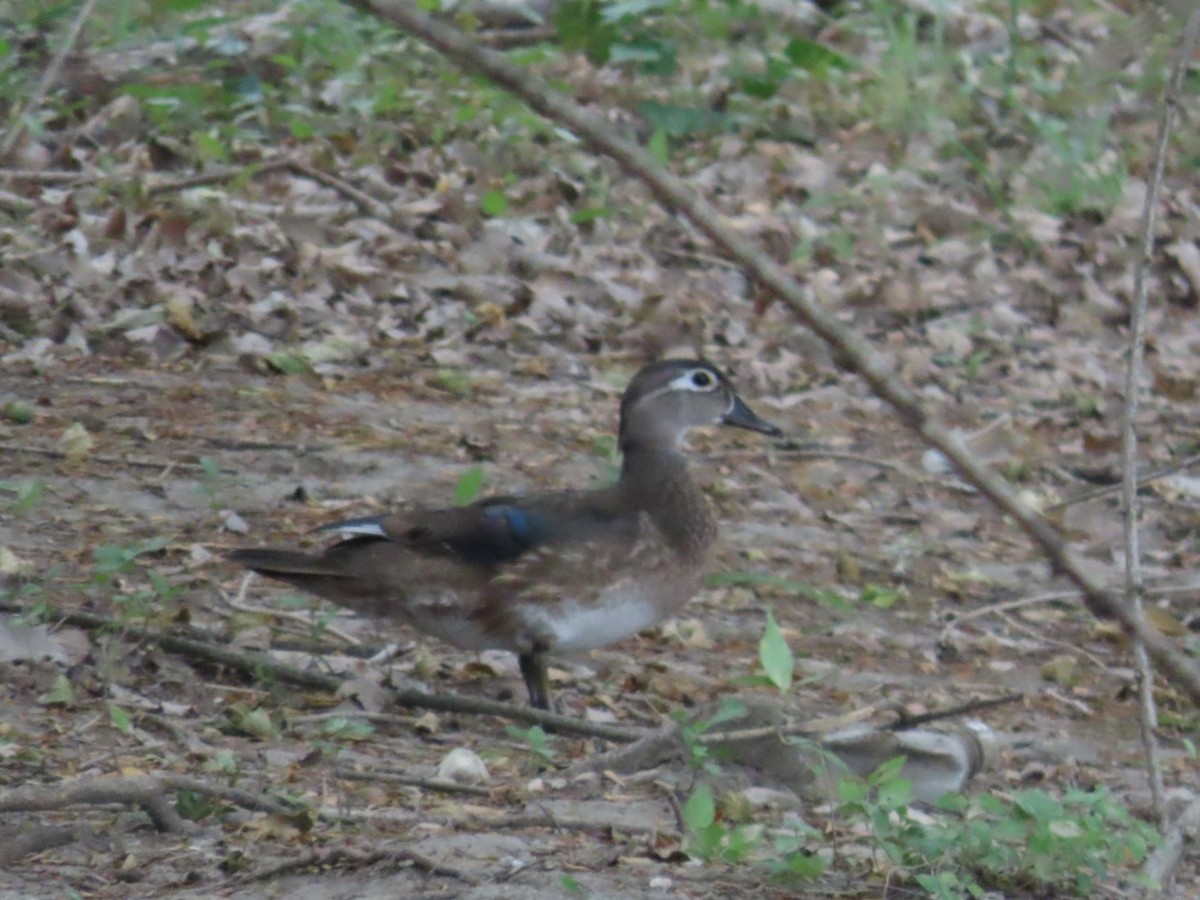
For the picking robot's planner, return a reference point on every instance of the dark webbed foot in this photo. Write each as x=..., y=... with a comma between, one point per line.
x=537, y=679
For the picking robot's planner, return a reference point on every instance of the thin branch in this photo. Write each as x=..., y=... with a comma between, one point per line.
x=146, y=791
x=42, y=176
x=39, y=840
x=344, y=859
x=1160, y=866
x=133, y=463
x=304, y=619
x=20, y=123
x=215, y=176
x=904, y=721
x=440, y=785
x=995, y=609
x=1133, y=378
x=262, y=665
x=851, y=351
x=1097, y=493
x=361, y=199
x=792, y=450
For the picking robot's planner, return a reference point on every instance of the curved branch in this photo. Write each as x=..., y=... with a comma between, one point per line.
x=850, y=351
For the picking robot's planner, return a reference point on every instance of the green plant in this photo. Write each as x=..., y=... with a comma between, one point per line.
x=718, y=831
x=1030, y=840
x=536, y=739
x=469, y=486
x=715, y=830
x=217, y=484
x=347, y=729
x=1075, y=169
x=135, y=601
x=25, y=495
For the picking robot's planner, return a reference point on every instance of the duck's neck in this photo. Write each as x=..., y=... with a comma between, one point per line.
x=655, y=479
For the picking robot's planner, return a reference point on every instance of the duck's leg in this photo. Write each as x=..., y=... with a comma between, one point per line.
x=537, y=678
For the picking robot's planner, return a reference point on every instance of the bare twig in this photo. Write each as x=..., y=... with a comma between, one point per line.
x=1133, y=378
x=1160, y=866
x=1108, y=489
x=215, y=176
x=1071, y=648
x=131, y=462
x=430, y=784
x=238, y=602
x=905, y=721
x=150, y=792
x=262, y=665
x=11, y=203
x=40, y=839
x=42, y=176
x=664, y=744
x=344, y=859
x=19, y=123
x=361, y=199
x=851, y=351
x=1006, y=606
x=794, y=451
x=546, y=819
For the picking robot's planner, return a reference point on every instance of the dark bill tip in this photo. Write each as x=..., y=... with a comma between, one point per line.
x=742, y=416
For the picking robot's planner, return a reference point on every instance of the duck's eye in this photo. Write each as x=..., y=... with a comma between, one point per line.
x=702, y=379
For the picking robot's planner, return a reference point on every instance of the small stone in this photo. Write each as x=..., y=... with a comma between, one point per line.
x=463, y=766
x=233, y=522
x=75, y=442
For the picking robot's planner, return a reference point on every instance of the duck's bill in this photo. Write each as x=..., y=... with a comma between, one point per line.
x=742, y=416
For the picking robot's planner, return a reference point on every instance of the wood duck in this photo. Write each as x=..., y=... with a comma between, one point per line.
x=555, y=571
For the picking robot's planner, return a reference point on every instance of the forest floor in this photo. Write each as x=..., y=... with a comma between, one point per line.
x=189, y=369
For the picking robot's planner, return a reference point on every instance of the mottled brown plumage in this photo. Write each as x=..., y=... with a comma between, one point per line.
x=563, y=570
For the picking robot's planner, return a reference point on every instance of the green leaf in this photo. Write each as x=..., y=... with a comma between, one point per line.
x=814, y=57
x=881, y=597
x=536, y=738
x=347, y=729
x=729, y=709
x=18, y=412
x=590, y=214
x=119, y=719
x=193, y=805
x=288, y=363
x=895, y=793
x=700, y=811
x=828, y=598
x=470, y=483
x=852, y=790
x=621, y=9
x=27, y=494
x=212, y=470
x=452, y=380
x=494, y=203
x=60, y=694
x=579, y=27
x=660, y=147
x=682, y=121
x=775, y=654
x=1037, y=805
x=209, y=147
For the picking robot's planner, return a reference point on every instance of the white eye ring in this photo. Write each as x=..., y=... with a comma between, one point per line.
x=699, y=381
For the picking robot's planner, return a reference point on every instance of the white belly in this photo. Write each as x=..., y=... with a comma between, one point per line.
x=565, y=625
x=613, y=616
